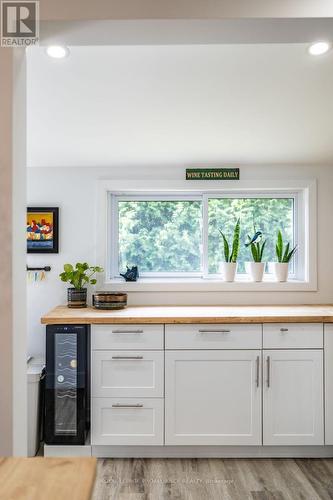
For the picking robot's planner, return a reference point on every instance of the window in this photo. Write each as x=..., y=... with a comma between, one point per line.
x=265, y=214
x=160, y=236
x=178, y=235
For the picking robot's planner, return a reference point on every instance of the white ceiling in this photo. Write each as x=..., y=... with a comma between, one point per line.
x=180, y=105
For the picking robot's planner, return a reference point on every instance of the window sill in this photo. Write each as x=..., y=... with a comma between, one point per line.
x=208, y=285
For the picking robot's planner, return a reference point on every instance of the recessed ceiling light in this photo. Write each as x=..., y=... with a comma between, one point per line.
x=57, y=51
x=319, y=48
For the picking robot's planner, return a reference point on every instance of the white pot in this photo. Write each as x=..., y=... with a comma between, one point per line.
x=256, y=270
x=228, y=270
x=281, y=270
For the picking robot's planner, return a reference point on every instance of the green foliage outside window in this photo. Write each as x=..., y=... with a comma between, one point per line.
x=267, y=214
x=160, y=236
x=166, y=236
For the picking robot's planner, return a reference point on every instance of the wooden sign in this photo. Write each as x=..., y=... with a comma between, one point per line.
x=212, y=174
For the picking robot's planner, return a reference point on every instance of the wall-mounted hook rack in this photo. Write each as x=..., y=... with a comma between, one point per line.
x=45, y=268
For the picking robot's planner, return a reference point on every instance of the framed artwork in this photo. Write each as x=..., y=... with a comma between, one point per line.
x=42, y=229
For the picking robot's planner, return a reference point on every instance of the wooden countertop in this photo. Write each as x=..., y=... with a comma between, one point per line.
x=192, y=314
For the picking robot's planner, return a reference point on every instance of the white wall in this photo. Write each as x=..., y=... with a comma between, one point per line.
x=74, y=191
x=19, y=296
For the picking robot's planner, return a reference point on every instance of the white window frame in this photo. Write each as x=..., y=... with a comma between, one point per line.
x=305, y=196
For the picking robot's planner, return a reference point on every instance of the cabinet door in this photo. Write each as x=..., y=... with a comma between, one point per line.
x=328, y=353
x=213, y=397
x=293, y=397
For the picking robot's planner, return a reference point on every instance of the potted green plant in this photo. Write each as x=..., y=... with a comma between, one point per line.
x=284, y=255
x=257, y=245
x=228, y=267
x=79, y=277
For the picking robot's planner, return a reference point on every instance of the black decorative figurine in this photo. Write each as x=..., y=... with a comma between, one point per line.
x=131, y=274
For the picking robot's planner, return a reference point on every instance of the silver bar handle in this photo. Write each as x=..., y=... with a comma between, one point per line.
x=118, y=405
x=284, y=329
x=268, y=361
x=214, y=331
x=257, y=371
x=127, y=357
x=127, y=331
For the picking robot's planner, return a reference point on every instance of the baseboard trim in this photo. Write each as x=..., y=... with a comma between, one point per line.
x=212, y=451
x=67, y=451
x=107, y=451
x=63, y=450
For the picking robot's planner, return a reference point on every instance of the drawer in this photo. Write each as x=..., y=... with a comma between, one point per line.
x=128, y=374
x=127, y=337
x=124, y=421
x=210, y=336
x=293, y=335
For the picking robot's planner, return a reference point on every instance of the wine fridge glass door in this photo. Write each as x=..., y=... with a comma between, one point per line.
x=65, y=384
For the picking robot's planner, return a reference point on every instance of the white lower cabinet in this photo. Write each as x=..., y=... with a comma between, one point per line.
x=127, y=421
x=213, y=397
x=220, y=386
x=293, y=397
x=328, y=350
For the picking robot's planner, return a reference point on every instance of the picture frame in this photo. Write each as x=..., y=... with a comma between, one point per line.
x=42, y=230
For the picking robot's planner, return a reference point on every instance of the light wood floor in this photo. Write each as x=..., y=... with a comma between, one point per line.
x=46, y=478
x=210, y=479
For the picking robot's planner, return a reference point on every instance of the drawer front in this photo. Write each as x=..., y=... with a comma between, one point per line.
x=127, y=337
x=209, y=336
x=128, y=374
x=293, y=335
x=124, y=421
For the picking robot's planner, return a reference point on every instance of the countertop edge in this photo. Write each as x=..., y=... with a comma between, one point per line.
x=180, y=320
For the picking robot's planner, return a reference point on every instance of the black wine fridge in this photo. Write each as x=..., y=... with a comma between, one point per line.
x=67, y=384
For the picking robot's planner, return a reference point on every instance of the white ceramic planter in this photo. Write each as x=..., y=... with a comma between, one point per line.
x=256, y=270
x=281, y=270
x=228, y=270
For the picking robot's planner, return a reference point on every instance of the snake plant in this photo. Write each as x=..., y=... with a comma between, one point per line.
x=257, y=250
x=231, y=255
x=283, y=253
